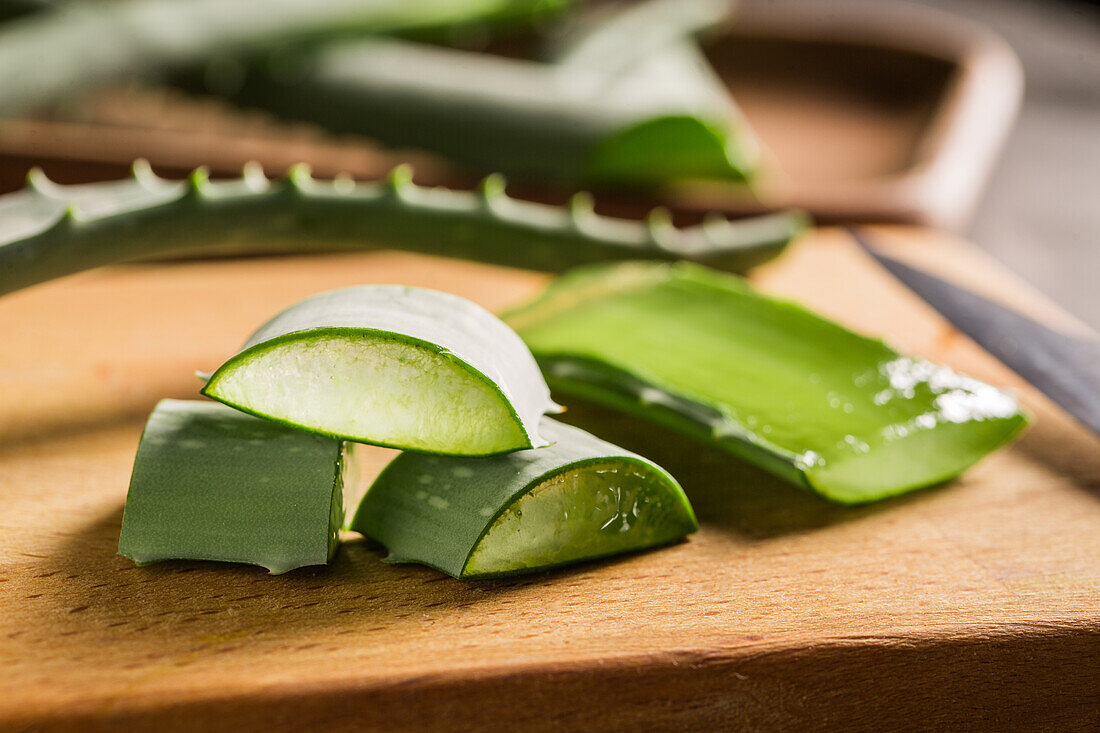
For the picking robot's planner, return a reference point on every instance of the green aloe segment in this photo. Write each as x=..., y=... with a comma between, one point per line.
x=49, y=230
x=581, y=498
x=626, y=99
x=211, y=483
x=391, y=365
x=766, y=379
x=49, y=56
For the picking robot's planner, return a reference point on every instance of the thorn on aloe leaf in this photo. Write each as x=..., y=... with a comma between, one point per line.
x=68, y=218
x=38, y=181
x=142, y=172
x=343, y=183
x=582, y=208
x=197, y=182
x=659, y=224
x=252, y=173
x=299, y=176
x=492, y=188
x=400, y=179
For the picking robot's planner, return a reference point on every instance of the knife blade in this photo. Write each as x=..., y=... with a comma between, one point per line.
x=1063, y=367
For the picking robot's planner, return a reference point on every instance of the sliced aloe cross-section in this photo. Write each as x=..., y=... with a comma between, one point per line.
x=578, y=499
x=702, y=352
x=391, y=365
x=211, y=483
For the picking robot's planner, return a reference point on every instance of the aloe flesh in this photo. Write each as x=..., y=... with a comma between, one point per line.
x=391, y=365
x=768, y=380
x=49, y=230
x=211, y=483
x=578, y=499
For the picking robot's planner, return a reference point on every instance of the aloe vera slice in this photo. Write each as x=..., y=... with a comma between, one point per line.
x=211, y=483
x=766, y=379
x=391, y=365
x=579, y=499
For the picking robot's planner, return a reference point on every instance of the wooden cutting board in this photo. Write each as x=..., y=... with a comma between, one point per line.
x=973, y=604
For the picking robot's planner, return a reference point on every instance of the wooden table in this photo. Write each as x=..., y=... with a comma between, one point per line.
x=973, y=604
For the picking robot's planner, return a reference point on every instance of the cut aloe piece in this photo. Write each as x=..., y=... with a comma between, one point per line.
x=579, y=499
x=211, y=483
x=802, y=397
x=391, y=365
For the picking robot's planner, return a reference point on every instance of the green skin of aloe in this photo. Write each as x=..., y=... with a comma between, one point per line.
x=626, y=99
x=49, y=230
x=212, y=483
x=398, y=366
x=578, y=499
x=701, y=352
x=401, y=367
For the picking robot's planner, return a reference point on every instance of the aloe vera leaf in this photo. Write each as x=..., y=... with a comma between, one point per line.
x=768, y=380
x=584, y=117
x=48, y=57
x=608, y=41
x=49, y=230
x=647, y=46
x=579, y=499
x=391, y=365
x=211, y=483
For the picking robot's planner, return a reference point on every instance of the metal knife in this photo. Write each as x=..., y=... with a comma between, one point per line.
x=1065, y=368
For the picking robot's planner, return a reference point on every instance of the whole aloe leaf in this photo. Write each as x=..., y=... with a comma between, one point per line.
x=50, y=56
x=392, y=365
x=48, y=230
x=627, y=101
x=768, y=380
x=578, y=499
x=211, y=483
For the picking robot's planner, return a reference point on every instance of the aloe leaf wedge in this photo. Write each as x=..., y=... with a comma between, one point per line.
x=579, y=499
x=49, y=230
x=391, y=365
x=211, y=483
x=766, y=379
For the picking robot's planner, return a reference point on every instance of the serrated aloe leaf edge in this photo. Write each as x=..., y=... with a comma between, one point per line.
x=391, y=365
x=578, y=499
x=49, y=230
x=800, y=396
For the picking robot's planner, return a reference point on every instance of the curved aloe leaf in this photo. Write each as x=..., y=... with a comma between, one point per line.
x=770, y=381
x=391, y=365
x=211, y=483
x=580, y=498
x=48, y=230
x=629, y=101
x=50, y=56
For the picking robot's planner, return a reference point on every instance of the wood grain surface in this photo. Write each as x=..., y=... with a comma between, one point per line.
x=974, y=605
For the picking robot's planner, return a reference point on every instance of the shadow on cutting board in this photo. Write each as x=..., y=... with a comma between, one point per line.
x=727, y=493
x=175, y=608
x=179, y=607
